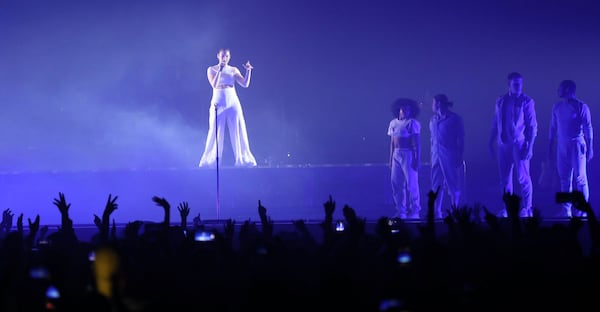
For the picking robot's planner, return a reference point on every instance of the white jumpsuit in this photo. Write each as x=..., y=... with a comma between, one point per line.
x=228, y=111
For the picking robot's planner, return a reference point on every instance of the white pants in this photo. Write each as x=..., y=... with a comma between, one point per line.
x=509, y=159
x=228, y=111
x=571, y=167
x=405, y=178
x=447, y=176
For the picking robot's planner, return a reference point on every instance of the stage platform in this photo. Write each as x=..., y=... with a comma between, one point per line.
x=288, y=192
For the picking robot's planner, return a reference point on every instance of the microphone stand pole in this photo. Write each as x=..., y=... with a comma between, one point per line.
x=217, y=162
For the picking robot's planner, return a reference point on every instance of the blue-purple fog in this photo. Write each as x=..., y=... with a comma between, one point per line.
x=121, y=85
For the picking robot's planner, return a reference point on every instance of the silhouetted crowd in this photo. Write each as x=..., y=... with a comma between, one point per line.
x=472, y=261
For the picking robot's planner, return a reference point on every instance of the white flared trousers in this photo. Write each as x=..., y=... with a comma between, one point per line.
x=225, y=104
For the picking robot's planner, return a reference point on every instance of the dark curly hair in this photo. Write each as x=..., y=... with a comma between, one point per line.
x=406, y=102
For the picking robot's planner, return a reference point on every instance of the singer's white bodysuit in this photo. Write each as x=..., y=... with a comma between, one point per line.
x=228, y=111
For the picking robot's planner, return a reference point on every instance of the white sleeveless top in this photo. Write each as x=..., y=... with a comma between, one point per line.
x=227, y=75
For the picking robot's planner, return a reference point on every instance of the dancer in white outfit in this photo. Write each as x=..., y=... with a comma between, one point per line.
x=405, y=153
x=514, y=131
x=571, y=134
x=447, y=149
x=226, y=105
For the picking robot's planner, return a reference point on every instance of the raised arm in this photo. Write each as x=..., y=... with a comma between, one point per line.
x=244, y=81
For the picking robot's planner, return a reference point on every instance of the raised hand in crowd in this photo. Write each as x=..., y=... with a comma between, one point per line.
x=265, y=220
x=429, y=228
x=7, y=220
x=184, y=212
x=63, y=208
x=431, y=198
x=20, y=223
x=162, y=202
x=34, y=227
x=109, y=208
x=512, y=203
x=463, y=216
x=98, y=222
x=329, y=209
x=327, y=223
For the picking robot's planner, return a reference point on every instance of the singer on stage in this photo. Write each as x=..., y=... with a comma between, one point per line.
x=226, y=108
